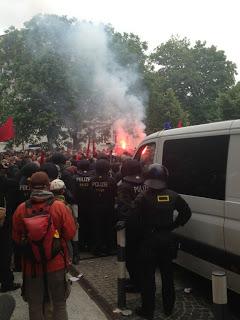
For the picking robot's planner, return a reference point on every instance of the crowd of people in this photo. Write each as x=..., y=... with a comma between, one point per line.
x=58, y=205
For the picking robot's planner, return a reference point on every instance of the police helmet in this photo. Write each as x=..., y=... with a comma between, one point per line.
x=156, y=176
x=131, y=170
x=50, y=169
x=58, y=158
x=83, y=165
x=72, y=170
x=29, y=169
x=102, y=166
x=130, y=167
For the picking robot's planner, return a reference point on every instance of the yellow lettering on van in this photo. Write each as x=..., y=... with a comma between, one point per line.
x=163, y=198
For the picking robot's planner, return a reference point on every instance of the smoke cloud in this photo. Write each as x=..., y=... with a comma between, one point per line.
x=113, y=85
x=104, y=89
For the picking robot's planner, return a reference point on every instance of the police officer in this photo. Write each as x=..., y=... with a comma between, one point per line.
x=50, y=169
x=8, y=188
x=19, y=195
x=128, y=189
x=83, y=197
x=103, y=192
x=154, y=215
x=60, y=161
x=24, y=182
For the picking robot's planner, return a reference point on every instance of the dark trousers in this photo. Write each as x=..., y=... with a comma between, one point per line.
x=157, y=252
x=84, y=220
x=17, y=258
x=6, y=274
x=132, y=246
x=148, y=286
x=102, y=229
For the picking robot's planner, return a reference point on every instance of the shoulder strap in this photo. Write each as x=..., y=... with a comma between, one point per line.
x=50, y=201
x=28, y=204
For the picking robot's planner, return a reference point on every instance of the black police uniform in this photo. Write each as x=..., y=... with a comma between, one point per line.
x=103, y=192
x=83, y=197
x=22, y=194
x=50, y=169
x=60, y=160
x=128, y=189
x=24, y=190
x=8, y=187
x=68, y=179
x=154, y=209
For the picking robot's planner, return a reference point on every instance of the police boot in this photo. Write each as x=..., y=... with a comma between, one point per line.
x=143, y=314
x=76, y=255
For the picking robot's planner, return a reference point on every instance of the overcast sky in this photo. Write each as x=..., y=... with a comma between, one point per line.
x=216, y=21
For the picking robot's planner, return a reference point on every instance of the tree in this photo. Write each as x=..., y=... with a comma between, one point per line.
x=128, y=49
x=163, y=107
x=196, y=74
x=130, y=53
x=49, y=70
x=229, y=103
x=33, y=82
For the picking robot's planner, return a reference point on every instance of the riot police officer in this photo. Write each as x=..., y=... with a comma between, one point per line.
x=154, y=213
x=128, y=189
x=19, y=195
x=8, y=192
x=50, y=169
x=60, y=161
x=24, y=181
x=103, y=192
x=82, y=179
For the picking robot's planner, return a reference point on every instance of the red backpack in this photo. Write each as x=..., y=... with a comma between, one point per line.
x=42, y=240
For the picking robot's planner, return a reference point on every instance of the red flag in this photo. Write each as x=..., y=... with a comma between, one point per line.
x=7, y=130
x=180, y=124
x=42, y=158
x=88, y=149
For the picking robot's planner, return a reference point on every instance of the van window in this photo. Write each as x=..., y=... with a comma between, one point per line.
x=197, y=166
x=145, y=154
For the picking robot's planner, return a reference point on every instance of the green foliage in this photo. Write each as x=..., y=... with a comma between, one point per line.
x=229, y=103
x=196, y=74
x=33, y=83
x=164, y=107
x=127, y=48
x=47, y=80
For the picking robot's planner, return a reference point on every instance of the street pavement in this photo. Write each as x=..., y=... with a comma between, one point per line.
x=101, y=274
x=80, y=305
x=99, y=284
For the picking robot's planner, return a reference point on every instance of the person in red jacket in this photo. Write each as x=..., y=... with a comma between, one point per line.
x=49, y=279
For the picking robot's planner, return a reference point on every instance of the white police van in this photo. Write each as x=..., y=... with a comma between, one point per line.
x=204, y=166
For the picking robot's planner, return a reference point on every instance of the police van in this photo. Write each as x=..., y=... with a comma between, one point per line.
x=204, y=167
